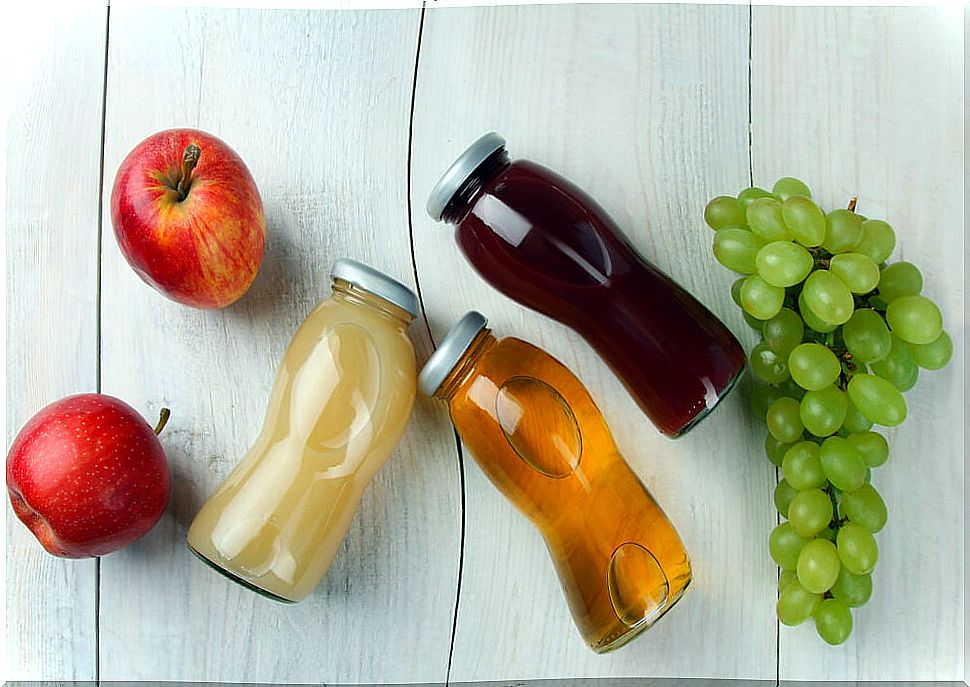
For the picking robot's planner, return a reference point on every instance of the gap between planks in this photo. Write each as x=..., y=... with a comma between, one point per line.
x=434, y=345
x=100, y=242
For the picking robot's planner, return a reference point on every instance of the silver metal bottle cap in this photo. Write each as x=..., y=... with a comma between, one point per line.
x=450, y=350
x=377, y=283
x=460, y=170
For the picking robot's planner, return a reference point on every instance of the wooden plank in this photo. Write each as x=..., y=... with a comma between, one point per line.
x=645, y=107
x=869, y=102
x=317, y=104
x=53, y=161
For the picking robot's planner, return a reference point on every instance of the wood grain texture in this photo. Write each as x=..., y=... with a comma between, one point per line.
x=869, y=102
x=646, y=108
x=53, y=154
x=317, y=104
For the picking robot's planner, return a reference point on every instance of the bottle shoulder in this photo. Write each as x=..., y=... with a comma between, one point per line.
x=530, y=226
x=337, y=319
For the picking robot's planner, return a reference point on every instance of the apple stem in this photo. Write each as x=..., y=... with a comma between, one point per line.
x=163, y=416
x=190, y=158
x=852, y=203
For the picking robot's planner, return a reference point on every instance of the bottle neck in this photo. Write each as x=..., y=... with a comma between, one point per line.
x=348, y=293
x=461, y=201
x=464, y=369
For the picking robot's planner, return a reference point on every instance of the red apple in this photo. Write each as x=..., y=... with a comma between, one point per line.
x=188, y=217
x=87, y=475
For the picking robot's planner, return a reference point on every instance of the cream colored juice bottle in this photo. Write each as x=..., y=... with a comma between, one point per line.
x=340, y=403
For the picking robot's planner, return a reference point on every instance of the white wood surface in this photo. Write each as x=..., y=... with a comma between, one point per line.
x=53, y=151
x=647, y=108
x=879, y=114
x=323, y=126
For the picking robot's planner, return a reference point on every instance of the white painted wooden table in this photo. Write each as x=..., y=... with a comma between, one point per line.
x=345, y=120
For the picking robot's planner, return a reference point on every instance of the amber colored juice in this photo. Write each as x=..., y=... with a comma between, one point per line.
x=341, y=401
x=536, y=433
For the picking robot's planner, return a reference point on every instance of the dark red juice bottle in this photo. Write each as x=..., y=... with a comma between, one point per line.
x=543, y=242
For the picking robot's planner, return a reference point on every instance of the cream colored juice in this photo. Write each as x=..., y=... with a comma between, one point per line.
x=340, y=403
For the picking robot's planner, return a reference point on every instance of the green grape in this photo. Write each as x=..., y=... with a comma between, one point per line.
x=822, y=412
x=857, y=549
x=876, y=302
x=852, y=590
x=802, y=467
x=776, y=450
x=783, y=263
x=931, y=356
x=753, y=322
x=811, y=319
x=762, y=396
x=914, y=319
x=764, y=217
x=858, y=271
x=897, y=367
x=784, y=578
x=865, y=507
x=842, y=464
x=787, y=187
x=804, y=219
x=768, y=365
x=899, y=279
x=783, y=420
x=828, y=297
x=796, y=604
x=760, y=299
x=736, y=291
x=724, y=211
x=784, y=331
x=855, y=421
x=737, y=248
x=843, y=231
x=813, y=366
x=750, y=194
x=872, y=446
x=828, y=533
x=810, y=512
x=878, y=240
x=878, y=400
x=833, y=621
x=785, y=546
x=784, y=493
x=818, y=565
x=866, y=336
x=792, y=390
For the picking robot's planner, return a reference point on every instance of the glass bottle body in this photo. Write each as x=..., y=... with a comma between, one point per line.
x=544, y=242
x=340, y=403
x=539, y=437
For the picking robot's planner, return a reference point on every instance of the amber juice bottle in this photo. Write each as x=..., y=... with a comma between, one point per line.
x=539, y=437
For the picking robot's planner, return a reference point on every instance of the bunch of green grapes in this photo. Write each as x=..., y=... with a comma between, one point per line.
x=843, y=335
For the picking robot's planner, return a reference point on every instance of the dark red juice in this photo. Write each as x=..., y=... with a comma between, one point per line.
x=542, y=241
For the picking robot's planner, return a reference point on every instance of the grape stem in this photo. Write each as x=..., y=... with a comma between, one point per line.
x=852, y=203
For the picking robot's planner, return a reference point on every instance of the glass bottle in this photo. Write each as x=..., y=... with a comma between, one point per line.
x=545, y=243
x=539, y=437
x=340, y=404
